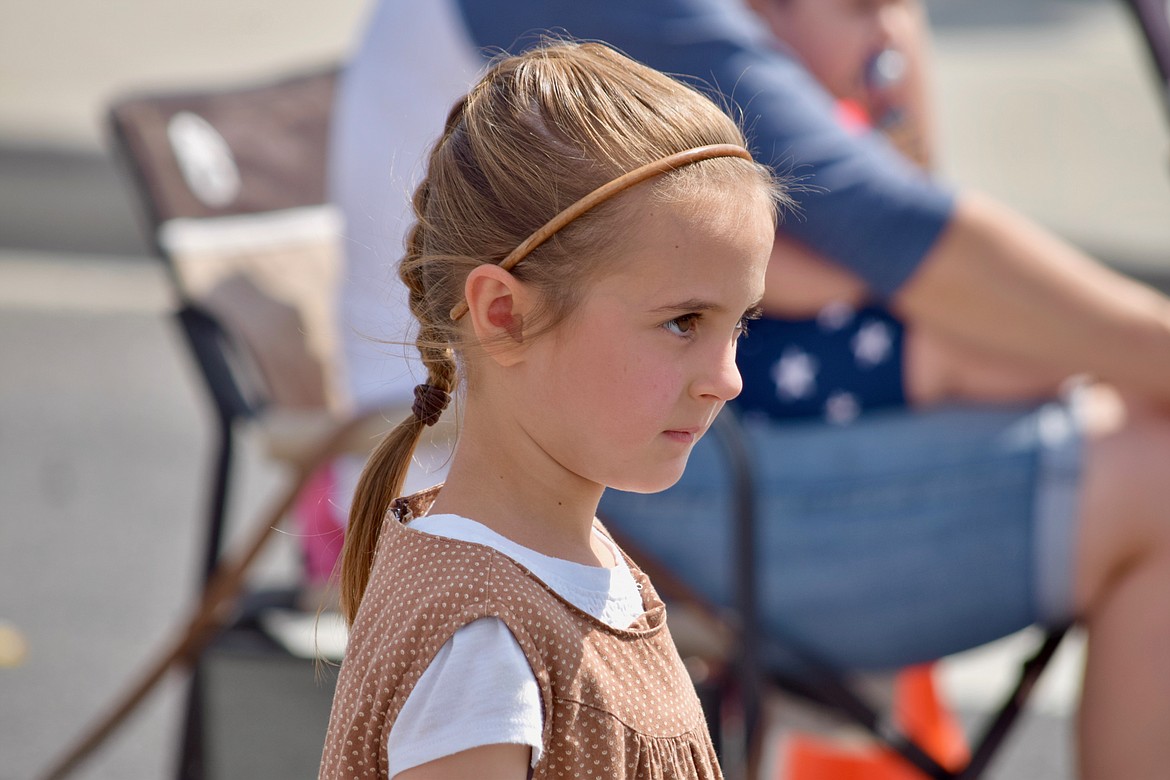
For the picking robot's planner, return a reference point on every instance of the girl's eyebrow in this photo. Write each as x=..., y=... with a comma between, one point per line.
x=700, y=305
x=691, y=304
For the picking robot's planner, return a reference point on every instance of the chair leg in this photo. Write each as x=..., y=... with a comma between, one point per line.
x=217, y=505
x=998, y=729
x=191, y=747
x=710, y=696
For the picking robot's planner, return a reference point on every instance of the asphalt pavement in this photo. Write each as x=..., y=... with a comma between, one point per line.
x=104, y=431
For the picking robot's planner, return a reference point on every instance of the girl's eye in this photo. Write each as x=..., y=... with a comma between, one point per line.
x=742, y=328
x=683, y=325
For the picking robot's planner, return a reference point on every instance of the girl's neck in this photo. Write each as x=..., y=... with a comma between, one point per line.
x=522, y=495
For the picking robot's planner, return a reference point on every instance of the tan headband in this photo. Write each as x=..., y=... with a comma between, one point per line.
x=607, y=191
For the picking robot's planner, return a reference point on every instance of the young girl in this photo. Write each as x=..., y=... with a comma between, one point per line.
x=590, y=237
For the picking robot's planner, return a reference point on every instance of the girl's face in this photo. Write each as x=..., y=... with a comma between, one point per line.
x=836, y=39
x=623, y=389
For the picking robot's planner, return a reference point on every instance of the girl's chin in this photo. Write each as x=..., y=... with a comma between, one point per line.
x=655, y=484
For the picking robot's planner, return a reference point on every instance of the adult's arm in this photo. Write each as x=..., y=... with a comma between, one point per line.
x=998, y=281
x=1009, y=289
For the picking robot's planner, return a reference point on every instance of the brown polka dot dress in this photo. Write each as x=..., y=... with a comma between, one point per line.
x=617, y=703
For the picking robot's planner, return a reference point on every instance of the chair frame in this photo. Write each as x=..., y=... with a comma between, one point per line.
x=215, y=351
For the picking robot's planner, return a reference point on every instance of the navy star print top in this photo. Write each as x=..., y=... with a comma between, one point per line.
x=833, y=367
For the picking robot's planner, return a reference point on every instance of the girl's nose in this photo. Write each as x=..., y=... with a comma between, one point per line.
x=720, y=379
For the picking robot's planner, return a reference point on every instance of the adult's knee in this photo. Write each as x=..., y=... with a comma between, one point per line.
x=1125, y=498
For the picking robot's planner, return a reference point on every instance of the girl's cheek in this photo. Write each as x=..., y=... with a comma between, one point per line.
x=667, y=383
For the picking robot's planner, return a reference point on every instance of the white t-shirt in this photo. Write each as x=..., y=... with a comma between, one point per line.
x=479, y=689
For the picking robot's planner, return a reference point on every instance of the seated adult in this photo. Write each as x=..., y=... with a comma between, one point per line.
x=908, y=534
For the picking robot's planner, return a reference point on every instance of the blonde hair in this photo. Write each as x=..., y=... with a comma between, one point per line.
x=537, y=133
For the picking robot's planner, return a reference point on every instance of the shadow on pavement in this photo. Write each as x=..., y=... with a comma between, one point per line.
x=65, y=200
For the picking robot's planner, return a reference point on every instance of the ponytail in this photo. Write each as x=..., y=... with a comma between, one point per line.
x=381, y=482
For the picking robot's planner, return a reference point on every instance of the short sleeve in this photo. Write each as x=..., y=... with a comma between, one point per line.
x=479, y=690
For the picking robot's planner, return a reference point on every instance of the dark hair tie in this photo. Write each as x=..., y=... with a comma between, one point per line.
x=401, y=509
x=429, y=403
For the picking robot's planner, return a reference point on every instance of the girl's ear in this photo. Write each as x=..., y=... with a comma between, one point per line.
x=496, y=304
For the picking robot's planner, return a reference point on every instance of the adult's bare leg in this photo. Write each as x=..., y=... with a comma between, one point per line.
x=1122, y=590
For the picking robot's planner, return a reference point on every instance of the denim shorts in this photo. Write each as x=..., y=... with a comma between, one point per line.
x=902, y=537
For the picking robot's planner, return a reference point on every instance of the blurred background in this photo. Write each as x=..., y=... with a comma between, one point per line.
x=1048, y=104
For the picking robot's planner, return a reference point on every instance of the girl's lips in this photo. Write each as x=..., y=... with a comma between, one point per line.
x=687, y=436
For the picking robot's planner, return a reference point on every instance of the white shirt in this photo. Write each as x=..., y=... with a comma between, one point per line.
x=479, y=689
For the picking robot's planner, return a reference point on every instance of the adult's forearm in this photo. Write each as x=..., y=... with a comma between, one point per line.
x=1001, y=282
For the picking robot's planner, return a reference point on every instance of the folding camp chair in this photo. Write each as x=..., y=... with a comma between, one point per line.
x=231, y=185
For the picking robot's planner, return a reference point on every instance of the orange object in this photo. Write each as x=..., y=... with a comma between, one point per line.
x=920, y=713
